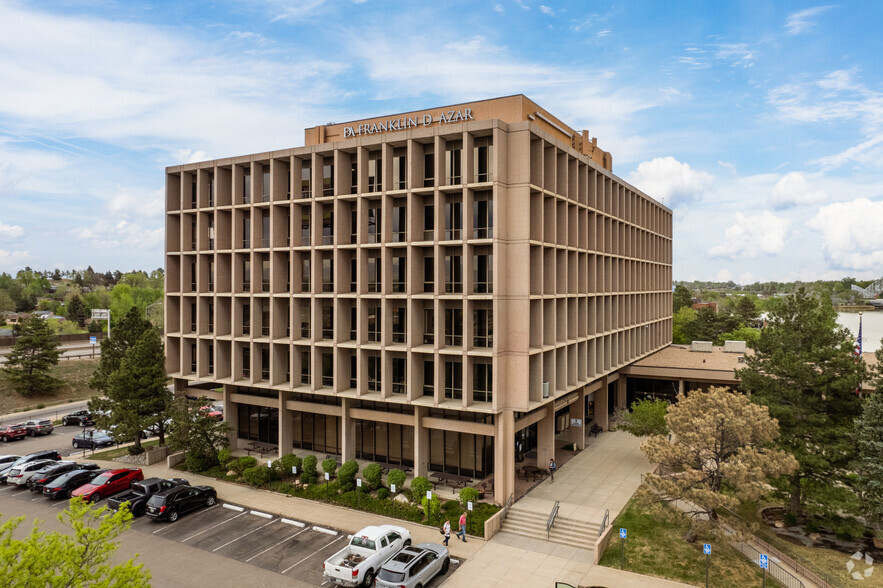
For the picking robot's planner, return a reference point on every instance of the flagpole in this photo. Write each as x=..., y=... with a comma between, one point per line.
x=858, y=350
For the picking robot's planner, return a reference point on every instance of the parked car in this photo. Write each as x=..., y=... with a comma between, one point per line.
x=36, y=456
x=53, y=470
x=108, y=484
x=13, y=432
x=79, y=418
x=213, y=411
x=19, y=474
x=414, y=566
x=170, y=504
x=357, y=564
x=6, y=460
x=92, y=439
x=140, y=493
x=65, y=484
x=39, y=427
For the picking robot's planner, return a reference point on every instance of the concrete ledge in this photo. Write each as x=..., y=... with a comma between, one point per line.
x=174, y=459
x=601, y=543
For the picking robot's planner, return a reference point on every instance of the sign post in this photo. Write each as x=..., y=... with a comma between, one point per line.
x=92, y=341
x=102, y=314
x=622, y=536
x=706, y=549
x=764, y=563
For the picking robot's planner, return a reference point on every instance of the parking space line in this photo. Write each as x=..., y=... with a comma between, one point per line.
x=191, y=517
x=39, y=496
x=276, y=545
x=241, y=536
x=312, y=554
x=212, y=527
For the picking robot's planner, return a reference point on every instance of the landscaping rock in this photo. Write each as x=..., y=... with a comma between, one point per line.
x=815, y=537
x=231, y=473
x=779, y=524
x=402, y=498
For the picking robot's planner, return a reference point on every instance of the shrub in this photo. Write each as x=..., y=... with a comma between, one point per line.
x=397, y=477
x=419, y=487
x=309, y=468
x=329, y=466
x=308, y=478
x=346, y=475
x=431, y=508
x=258, y=476
x=197, y=462
x=224, y=456
x=468, y=495
x=383, y=494
x=372, y=474
x=132, y=450
x=284, y=464
x=243, y=463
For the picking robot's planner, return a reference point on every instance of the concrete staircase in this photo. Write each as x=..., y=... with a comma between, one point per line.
x=570, y=532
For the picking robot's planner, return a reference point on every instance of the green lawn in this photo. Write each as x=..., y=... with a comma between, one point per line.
x=121, y=451
x=656, y=548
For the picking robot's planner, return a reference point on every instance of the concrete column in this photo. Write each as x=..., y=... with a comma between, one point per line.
x=621, y=402
x=680, y=386
x=546, y=438
x=285, y=426
x=601, y=416
x=577, y=411
x=421, y=443
x=231, y=417
x=504, y=456
x=347, y=431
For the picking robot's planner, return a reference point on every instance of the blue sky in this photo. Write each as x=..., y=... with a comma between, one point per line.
x=759, y=123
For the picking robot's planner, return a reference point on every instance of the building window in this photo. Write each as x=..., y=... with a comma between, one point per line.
x=211, y=275
x=193, y=234
x=399, y=375
x=399, y=221
x=305, y=227
x=428, y=377
x=453, y=380
x=265, y=273
x=483, y=150
x=453, y=221
x=483, y=327
x=305, y=181
x=454, y=326
x=305, y=274
x=354, y=274
x=399, y=168
x=193, y=357
x=452, y=164
x=374, y=323
x=375, y=172
x=211, y=316
x=327, y=321
x=265, y=318
x=374, y=274
x=354, y=176
x=453, y=274
x=246, y=231
x=399, y=324
x=354, y=226
x=327, y=369
x=327, y=273
x=483, y=273
x=428, y=274
x=211, y=359
x=246, y=318
x=483, y=219
x=374, y=373
x=246, y=362
x=246, y=187
x=265, y=362
x=375, y=224
x=193, y=317
x=211, y=232
x=482, y=382
x=428, y=222
x=265, y=228
x=328, y=177
x=354, y=371
x=193, y=275
x=193, y=193
x=399, y=273
x=428, y=170
x=428, y=326
x=211, y=188
x=353, y=322
x=328, y=224
x=265, y=183
x=305, y=321
x=305, y=367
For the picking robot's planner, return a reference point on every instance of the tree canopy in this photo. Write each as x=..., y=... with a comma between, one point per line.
x=29, y=364
x=646, y=417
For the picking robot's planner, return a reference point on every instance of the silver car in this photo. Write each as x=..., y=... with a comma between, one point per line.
x=414, y=566
x=20, y=474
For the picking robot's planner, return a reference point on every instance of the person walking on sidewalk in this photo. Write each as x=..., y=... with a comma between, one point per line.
x=462, y=530
x=552, y=467
x=447, y=532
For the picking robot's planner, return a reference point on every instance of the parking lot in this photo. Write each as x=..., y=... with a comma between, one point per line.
x=288, y=546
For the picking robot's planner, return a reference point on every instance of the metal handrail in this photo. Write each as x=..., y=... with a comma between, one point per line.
x=551, y=522
x=604, y=522
x=509, y=502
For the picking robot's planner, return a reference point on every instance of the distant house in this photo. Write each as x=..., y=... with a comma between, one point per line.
x=699, y=305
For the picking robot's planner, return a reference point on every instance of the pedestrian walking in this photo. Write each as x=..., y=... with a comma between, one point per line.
x=447, y=531
x=552, y=467
x=462, y=527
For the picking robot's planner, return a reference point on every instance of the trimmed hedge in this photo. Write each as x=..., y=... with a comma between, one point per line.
x=258, y=476
x=419, y=487
x=397, y=477
x=468, y=495
x=346, y=475
x=329, y=466
x=373, y=476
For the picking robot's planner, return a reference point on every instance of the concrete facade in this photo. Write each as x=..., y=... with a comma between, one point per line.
x=417, y=294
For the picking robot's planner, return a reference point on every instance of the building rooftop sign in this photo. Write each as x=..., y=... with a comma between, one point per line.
x=408, y=122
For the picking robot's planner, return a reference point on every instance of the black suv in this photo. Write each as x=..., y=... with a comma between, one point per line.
x=79, y=418
x=48, y=454
x=168, y=504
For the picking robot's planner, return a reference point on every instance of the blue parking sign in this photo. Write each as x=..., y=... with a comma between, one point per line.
x=764, y=561
x=622, y=533
x=706, y=548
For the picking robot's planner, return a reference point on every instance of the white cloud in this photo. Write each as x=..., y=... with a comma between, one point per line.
x=605, y=33
x=801, y=22
x=499, y=8
x=794, y=190
x=852, y=234
x=294, y=10
x=10, y=232
x=670, y=181
x=11, y=261
x=130, y=203
x=723, y=275
x=751, y=236
x=747, y=278
x=548, y=11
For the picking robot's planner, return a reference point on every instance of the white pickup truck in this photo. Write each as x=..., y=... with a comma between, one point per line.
x=358, y=563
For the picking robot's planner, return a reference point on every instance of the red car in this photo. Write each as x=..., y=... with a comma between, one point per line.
x=109, y=483
x=13, y=432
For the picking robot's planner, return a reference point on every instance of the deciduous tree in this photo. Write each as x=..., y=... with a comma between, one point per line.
x=29, y=364
x=194, y=432
x=720, y=452
x=647, y=417
x=803, y=369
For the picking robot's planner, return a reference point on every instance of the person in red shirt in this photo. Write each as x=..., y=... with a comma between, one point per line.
x=462, y=527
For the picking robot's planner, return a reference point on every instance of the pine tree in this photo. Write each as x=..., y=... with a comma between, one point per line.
x=804, y=370
x=34, y=354
x=77, y=311
x=869, y=445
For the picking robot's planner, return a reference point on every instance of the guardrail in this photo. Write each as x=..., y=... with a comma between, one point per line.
x=551, y=522
x=604, y=521
x=776, y=571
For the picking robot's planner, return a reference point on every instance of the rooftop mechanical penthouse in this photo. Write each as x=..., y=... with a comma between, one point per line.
x=433, y=289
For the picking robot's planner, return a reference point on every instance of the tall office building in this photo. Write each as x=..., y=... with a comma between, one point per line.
x=431, y=289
